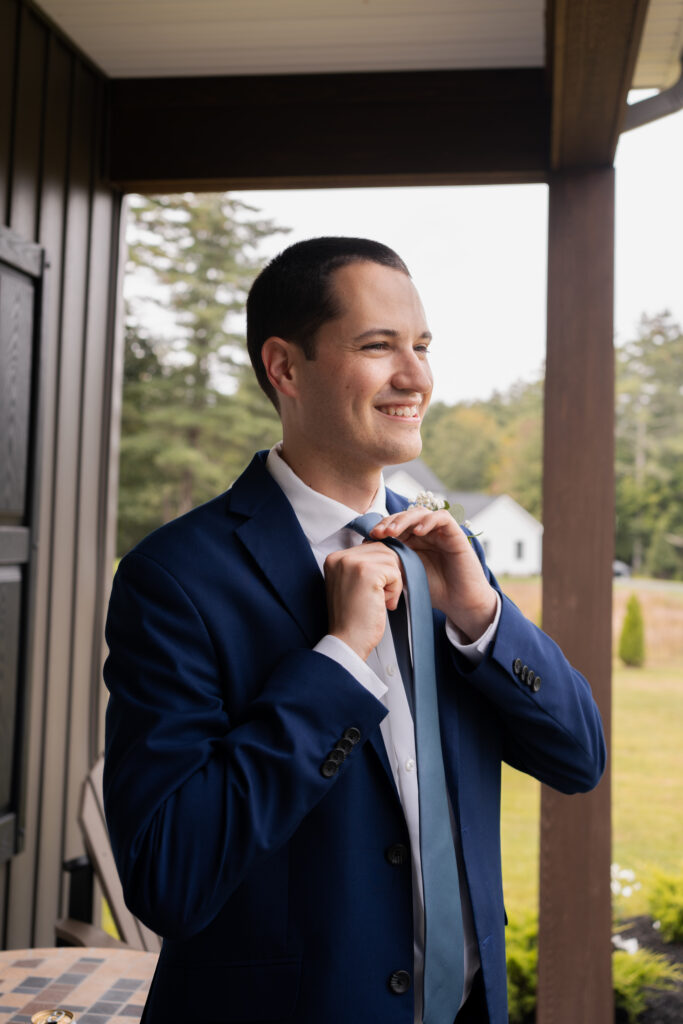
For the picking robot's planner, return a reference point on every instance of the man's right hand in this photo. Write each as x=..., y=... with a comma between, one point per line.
x=362, y=583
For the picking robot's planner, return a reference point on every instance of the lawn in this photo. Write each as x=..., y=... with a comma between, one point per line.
x=647, y=753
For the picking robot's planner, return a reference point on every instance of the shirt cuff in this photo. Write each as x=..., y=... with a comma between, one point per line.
x=334, y=648
x=474, y=651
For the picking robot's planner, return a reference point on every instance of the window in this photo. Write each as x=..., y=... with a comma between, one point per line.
x=519, y=550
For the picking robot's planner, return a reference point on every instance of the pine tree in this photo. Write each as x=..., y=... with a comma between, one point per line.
x=632, y=639
x=189, y=411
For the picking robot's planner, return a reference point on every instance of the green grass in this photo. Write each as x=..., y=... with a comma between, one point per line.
x=647, y=764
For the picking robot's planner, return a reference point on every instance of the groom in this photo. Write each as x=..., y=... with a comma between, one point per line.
x=261, y=784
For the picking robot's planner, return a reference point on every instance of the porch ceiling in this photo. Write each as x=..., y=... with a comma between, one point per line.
x=173, y=38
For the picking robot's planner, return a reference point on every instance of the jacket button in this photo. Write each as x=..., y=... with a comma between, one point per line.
x=536, y=685
x=524, y=673
x=517, y=666
x=397, y=854
x=530, y=679
x=399, y=982
x=329, y=769
x=336, y=755
x=344, y=744
x=352, y=734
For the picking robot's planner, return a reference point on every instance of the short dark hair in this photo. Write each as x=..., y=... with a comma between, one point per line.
x=291, y=298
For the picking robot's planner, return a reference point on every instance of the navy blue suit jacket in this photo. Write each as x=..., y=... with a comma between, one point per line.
x=269, y=881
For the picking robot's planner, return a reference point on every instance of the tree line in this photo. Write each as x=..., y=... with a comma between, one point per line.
x=192, y=413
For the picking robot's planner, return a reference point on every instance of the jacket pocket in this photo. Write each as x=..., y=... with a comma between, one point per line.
x=246, y=991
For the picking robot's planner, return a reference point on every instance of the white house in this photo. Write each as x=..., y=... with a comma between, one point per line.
x=511, y=536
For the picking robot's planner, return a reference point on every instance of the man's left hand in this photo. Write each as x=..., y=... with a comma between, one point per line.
x=457, y=584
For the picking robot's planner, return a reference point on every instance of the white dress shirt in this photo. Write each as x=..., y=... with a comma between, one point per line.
x=323, y=521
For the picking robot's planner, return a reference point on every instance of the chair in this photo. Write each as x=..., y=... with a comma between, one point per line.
x=73, y=932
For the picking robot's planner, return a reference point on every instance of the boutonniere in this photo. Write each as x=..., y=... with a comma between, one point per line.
x=427, y=499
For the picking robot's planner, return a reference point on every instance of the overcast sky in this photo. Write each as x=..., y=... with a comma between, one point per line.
x=478, y=255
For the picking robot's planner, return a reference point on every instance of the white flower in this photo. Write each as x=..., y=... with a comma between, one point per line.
x=427, y=499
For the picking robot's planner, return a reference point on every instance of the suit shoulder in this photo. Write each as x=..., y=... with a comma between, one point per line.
x=191, y=537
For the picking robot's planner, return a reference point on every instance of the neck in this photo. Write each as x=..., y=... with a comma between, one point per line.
x=348, y=485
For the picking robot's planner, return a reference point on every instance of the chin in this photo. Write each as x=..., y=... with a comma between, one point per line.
x=397, y=452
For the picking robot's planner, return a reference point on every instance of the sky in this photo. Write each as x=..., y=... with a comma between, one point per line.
x=478, y=255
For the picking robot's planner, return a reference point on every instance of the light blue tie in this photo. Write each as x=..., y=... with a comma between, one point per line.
x=444, y=945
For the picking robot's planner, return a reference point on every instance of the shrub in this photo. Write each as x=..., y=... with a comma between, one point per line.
x=666, y=905
x=633, y=973
x=632, y=639
x=522, y=968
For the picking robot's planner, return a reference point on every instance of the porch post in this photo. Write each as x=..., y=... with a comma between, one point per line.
x=578, y=512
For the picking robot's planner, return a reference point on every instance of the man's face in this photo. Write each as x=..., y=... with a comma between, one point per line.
x=362, y=398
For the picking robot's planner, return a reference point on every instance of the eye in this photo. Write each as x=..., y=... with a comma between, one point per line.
x=375, y=346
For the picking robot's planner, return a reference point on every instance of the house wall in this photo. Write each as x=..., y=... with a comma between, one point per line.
x=503, y=525
x=51, y=132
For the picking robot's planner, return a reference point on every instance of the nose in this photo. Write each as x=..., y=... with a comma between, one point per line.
x=412, y=373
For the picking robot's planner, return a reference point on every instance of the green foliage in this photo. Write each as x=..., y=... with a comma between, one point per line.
x=494, y=446
x=192, y=414
x=649, y=449
x=632, y=639
x=521, y=941
x=634, y=973
x=666, y=904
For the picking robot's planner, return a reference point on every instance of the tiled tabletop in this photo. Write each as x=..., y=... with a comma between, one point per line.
x=99, y=986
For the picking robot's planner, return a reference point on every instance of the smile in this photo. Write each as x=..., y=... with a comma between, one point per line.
x=410, y=412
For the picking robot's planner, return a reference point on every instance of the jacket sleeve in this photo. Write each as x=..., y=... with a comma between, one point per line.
x=551, y=725
x=194, y=799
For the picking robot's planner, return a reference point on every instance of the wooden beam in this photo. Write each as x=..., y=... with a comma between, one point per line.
x=435, y=127
x=592, y=46
x=578, y=512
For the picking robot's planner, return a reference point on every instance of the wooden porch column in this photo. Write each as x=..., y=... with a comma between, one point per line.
x=578, y=512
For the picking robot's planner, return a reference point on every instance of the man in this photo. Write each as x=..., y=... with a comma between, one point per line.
x=260, y=781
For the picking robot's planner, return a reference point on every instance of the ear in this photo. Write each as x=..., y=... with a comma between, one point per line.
x=279, y=359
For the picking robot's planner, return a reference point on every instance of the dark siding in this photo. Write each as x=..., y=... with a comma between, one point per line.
x=51, y=131
x=8, y=23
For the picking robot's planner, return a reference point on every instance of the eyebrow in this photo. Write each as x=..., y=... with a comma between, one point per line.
x=388, y=332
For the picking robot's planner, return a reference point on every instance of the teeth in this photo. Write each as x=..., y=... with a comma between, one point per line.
x=401, y=410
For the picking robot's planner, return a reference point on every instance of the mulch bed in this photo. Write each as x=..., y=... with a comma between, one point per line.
x=662, y=1007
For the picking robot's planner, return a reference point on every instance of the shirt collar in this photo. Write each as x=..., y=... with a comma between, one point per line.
x=318, y=515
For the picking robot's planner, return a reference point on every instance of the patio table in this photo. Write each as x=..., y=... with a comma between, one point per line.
x=99, y=986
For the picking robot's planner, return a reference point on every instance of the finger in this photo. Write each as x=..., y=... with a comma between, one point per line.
x=410, y=518
x=392, y=593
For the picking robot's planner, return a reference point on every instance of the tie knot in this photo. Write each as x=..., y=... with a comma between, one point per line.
x=364, y=524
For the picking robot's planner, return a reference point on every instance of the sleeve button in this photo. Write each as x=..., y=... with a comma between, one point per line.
x=329, y=769
x=517, y=666
x=352, y=734
x=536, y=685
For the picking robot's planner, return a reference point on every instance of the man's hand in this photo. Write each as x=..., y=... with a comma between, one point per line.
x=361, y=583
x=457, y=584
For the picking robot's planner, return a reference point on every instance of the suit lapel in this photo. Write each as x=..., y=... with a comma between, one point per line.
x=272, y=536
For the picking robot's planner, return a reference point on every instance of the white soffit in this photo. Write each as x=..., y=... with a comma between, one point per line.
x=658, y=64
x=158, y=38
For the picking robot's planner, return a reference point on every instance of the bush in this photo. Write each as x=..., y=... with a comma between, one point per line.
x=666, y=905
x=633, y=973
x=632, y=639
x=522, y=968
